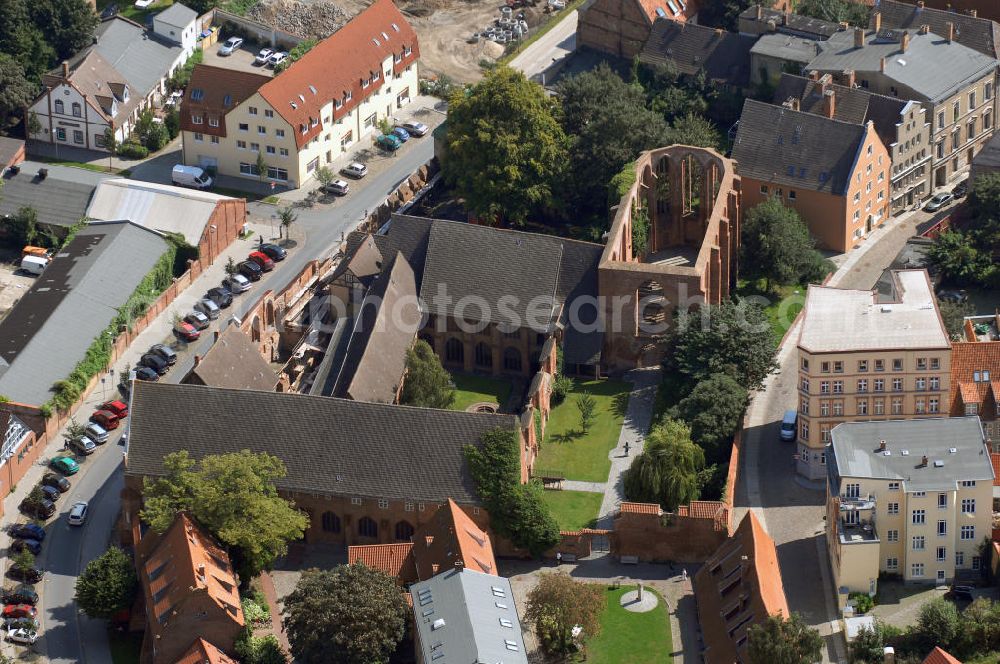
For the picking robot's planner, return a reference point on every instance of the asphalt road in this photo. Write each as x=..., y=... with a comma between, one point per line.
x=67, y=635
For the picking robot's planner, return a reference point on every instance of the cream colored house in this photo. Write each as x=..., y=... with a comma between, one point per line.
x=865, y=356
x=324, y=105
x=912, y=498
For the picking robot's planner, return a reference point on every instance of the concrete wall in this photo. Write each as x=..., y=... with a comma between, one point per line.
x=259, y=32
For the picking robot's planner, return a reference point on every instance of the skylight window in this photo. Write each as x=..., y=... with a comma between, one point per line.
x=294, y=105
x=302, y=98
x=385, y=36
x=395, y=27
x=376, y=42
x=312, y=89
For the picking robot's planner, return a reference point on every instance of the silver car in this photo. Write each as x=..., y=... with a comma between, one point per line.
x=339, y=187
x=208, y=307
x=232, y=44
x=415, y=128
x=78, y=514
x=236, y=283
x=355, y=170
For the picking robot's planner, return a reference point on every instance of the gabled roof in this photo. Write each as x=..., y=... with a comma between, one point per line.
x=939, y=656
x=235, y=361
x=468, y=617
x=975, y=372
x=396, y=559
x=58, y=202
x=177, y=14
x=723, y=56
x=789, y=23
x=329, y=446
x=97, y=78
x=213, y=92
x=203, y=652
x=738, y=587
x=980, y=34
x=796, y=149
x=142, y=56
x=786, y=47
x=9, y=149
x=75, y=299
x=452, y=539
x=299, y=93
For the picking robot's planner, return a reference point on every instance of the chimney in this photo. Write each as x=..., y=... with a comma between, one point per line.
x=197, y=360
x=784, y=17
x=65, y=64
x=824, y=83
x=877, y=16
x=973, y=13
x=924, y=29
x=923, y=461
x=881, y=446
x=881, y=65
x=847, y=78
x=888, y=655
x=951, y=32
x=904, y=42
x=760, y=12
x=859, y=37
x=791, y=104
x=814, y=75
x=215, y=336
x=829, y=104
x=920, y=4
x=844, y=25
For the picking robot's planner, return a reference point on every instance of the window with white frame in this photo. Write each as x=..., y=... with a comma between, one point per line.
x=917, y=569
x=892, y=508
x=918, y=517
x=892, y=563
x=968, y=506
x=892, y=535
x=967, y=533
x=918, y=542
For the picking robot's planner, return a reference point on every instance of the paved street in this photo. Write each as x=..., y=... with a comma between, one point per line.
x=552, y=47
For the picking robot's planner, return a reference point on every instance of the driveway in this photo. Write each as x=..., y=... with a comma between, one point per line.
x=538, y=60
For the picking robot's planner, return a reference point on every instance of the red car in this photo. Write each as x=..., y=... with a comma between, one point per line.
x=19, y=611
x=186, y=331
x=105, y=418
x=262, y=259
x=117, y=407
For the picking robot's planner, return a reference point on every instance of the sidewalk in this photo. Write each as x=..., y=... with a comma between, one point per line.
x=94, y=157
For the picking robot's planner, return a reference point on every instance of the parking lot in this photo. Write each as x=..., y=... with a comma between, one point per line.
x=13, y=283
x=240, y=60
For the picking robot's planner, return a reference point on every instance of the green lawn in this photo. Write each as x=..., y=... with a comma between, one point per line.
x=574, y=509
x=470, y=389
x=127, y=8
x=784, y=303
x=637, y=638
x=125, y=646
x=566, y=450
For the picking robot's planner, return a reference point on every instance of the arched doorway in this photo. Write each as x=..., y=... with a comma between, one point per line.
x=454, y=351
x=367, y=527
x=484, y=356
x=404, y=531
x=330, y=522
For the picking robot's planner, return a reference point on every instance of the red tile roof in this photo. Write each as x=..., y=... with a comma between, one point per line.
x=938, y=656
x=452, y=539
x=203, y=652
x=393, y=559
x=640, y=508
x=335, y=68
x=995, y=458
x=214, y=86
x=968, y=358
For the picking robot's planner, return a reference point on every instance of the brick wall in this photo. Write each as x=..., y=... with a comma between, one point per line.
x=680, y=537
x=617, y=27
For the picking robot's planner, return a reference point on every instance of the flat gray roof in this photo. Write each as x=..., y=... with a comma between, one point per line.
x=955, y=448
x=465, y=616
x=57, y=202
x=786, y=47
x=73, y=301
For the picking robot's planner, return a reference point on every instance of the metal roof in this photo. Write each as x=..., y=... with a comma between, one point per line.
x=142, y=56
x=786, y=47
x=955, y=448
x=466, y=616
x=177, y=14
x=57, y=202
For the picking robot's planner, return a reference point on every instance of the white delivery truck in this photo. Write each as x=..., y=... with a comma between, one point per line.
x=190, y=176
x=33, y=264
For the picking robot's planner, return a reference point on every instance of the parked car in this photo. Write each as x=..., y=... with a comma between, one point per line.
x=961, y=592
x=24, y=574
x=400, y=133
x=183, y=330
x=56, y=482
x=236, y=283
x=338, y=187
x=21, y=623
x=938, y=202
x=221, y=296
x=164, y=351
x=388, y=142
x=78, y=514
x=262, y=259
x=19, y=595
x=197, y=320
x=51, y=493
x=230, y=46
x=961, y=189
x=355, y=169
x=154, y=362
x=119, y=408
x=84, y=446
x=208, y=307
x=262, y=56
x=40, y=509
x=276, y=253
x=19, y=611
x=105, y=418
x=64, y=465
x=190, y=176
x=276, y=59
x=96, y=433
x=147, y=374
x=250, y=270
x=414, y=128
x=22, y=636
x=789, y=425
x=34, y=546
x=953, y=295
x=27, y=531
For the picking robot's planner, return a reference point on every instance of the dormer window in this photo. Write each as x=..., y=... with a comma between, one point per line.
x=398, y=58
x=407, y=50
x=312, y=122
x=125, y=94
x=303, y=128
x=337, y=103
x=348, y=96
x=365, y=83
x=376, y=75
x=213, y=122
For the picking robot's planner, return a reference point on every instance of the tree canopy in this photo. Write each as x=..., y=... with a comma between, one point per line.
x=726, y=13
x=351, y=614
x=38, y=33
x=781, y=641
x=966, y=257
x=16, y=91
x=505, y=148
x=714, y=410
x=776, y=246
x=666, y=472
x=107, y=584
x=234, y=497
x=427, y=384
x=835, y=11
x=730, y=338
x=557, y=604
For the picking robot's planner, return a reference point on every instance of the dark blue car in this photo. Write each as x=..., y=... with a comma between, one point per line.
x=28, y=531
x=401, y=134
x=30, y=544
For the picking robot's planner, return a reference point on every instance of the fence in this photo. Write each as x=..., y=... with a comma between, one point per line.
x=256, y=31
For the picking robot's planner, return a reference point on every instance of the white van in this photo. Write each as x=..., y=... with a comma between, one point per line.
x=190, y=176
x=788, y=425
x=34, y=264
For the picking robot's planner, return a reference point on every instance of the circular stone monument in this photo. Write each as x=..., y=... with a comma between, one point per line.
x=484, y=407
x=639, y=601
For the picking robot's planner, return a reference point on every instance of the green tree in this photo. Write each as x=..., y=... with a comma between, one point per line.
x=23, y=39
x=694, y=130
x=956, y=256
x=730, y=338
x=557, y=605
x=980, y=632
x=111, y=145
x=835, y=11
x=75, y=430
x=107, y=585
x=781, y=641
x=517, y=511
x=610, y=125
x=426, y=383
x=67, y=24
x=252, y=649
x=261, y=166
x=676, y=102
x=714, y=410
x=33, y=126
x=22, y=227
x=23, y=559
x=953, y=314
x=16, y=91
x=586, y=405
x=287, y=217
x=351, y=614
x=776, y=245
x=667, y=470
x=505, y=149
x=868, y=646
x=173, y=122
x=938, y=623
x=233, y=496
x=984, y=196
x=230, y=267
x=324, y=175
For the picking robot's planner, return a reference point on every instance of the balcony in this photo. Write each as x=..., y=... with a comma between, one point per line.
x=857, y=503
x=862, y=532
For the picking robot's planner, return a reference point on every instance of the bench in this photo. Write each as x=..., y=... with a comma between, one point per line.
x=630, y=560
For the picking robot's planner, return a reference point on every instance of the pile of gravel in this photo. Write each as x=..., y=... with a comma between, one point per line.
x=317, y=19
